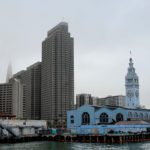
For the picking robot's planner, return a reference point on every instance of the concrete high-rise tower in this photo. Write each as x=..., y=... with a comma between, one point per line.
x=132, y=87
x=6, y=94
x=31, y=81
x=57, y=92
x=18, y=98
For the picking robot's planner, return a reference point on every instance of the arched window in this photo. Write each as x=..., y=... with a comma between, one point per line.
x=72, y=117
x=141, y=115
x=130, y=115
x=135, y=115
x=85, y=118
x=103, y=118
x=119, y=117
x=146, y=116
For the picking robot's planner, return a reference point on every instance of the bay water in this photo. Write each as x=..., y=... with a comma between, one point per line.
x=74, y=146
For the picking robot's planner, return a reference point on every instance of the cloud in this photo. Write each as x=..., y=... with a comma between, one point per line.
x=104, y=32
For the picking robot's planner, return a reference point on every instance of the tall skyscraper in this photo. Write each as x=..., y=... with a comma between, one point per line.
x=33, y=84
x=19, y=87
x=6, y=94
x=57, y=75
x=132, y=87
x=31, y=79
x=18, y=98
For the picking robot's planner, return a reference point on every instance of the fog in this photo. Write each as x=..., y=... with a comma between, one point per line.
x=104, y=32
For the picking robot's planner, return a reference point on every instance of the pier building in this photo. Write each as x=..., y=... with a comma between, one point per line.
x=99, y=115
x=92, y=115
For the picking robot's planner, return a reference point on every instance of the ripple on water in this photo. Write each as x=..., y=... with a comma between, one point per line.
x=74, y=146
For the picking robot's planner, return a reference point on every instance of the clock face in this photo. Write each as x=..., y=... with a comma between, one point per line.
x=130, y=94
x=137, y=93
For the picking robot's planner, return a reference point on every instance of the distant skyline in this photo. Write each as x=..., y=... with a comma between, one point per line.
x=104, y=32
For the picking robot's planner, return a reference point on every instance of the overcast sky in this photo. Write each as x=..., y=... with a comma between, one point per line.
x=104, y=32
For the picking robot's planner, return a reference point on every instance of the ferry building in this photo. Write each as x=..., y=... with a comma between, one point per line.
x=105, y=115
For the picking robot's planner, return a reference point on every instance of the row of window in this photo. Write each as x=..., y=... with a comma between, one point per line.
x=104, y=118
x=137, y=115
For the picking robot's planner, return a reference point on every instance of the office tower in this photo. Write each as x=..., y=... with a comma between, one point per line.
x=132, y=87
x=18, y=81
x=34, y=74
x=57, y=75
x=83, y=99
x=31, y=79
x=118, y=100
x=6, y=98
x=18, y=98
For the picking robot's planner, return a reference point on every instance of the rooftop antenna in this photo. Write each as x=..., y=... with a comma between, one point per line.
x=131, y=56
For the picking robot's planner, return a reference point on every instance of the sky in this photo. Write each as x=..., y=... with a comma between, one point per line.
x=104, y=31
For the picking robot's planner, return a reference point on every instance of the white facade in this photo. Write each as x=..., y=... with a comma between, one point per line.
x=132, y=87
x=17, y=98
x=24, y=123
x=9, y=73
x=22, y=127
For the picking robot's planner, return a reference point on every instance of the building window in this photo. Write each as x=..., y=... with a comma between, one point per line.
x=135, y=115
x=103, y=118
x=72, y=117
x=119, y=117
x=146, y=117
x=141, y=116
x=72, y=121
x=130, y=115
x=85, y=118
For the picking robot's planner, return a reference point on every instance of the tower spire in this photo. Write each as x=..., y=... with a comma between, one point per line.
x=131, y=61
x=9, y=72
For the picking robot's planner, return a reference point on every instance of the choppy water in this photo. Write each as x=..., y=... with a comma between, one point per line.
x=74, y=146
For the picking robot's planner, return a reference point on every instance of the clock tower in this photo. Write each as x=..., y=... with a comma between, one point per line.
x=132, y=87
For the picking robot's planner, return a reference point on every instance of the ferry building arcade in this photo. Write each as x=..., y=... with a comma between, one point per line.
x=97, y=115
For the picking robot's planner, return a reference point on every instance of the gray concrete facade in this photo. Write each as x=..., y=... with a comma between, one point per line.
x=118, y=100
x=6, y=95
x=31, y=78
x=57, y=92
x=83, y=99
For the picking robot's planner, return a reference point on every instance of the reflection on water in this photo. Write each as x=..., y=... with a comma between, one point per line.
x=74, y=146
